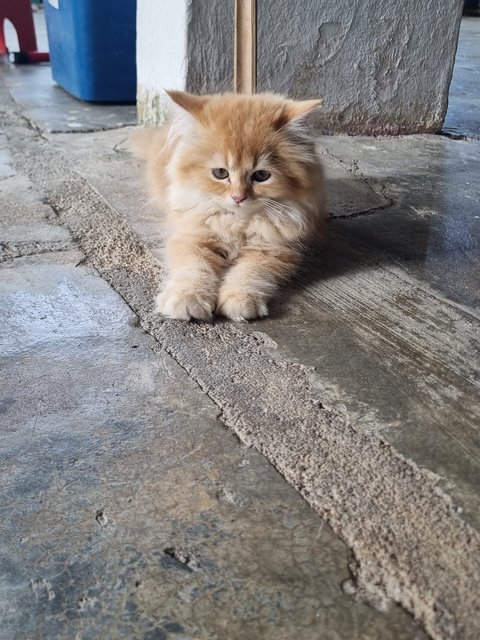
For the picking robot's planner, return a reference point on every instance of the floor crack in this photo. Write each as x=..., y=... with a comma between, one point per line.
x=12, y=250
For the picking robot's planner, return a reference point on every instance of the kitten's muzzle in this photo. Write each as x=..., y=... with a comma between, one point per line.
x=239, y=197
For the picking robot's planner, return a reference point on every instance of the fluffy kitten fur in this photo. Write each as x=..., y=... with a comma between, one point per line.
x=232, y=240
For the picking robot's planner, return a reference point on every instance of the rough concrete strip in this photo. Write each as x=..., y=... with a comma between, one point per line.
x=408, y=542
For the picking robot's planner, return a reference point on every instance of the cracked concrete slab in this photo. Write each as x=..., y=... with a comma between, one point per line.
x=432, y=230
x=127, y=509
x=25, y=219
x=365, y=297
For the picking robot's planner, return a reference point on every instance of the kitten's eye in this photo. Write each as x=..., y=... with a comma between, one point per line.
x=221, y=174
x=261, y=175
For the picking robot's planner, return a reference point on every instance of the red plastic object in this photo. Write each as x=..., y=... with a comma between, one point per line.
x=19, y=12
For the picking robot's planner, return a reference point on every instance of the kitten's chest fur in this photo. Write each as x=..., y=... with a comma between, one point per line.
x=235, y=231
x=229, y=232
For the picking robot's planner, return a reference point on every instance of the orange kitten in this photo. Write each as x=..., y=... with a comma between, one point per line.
x=242, y=189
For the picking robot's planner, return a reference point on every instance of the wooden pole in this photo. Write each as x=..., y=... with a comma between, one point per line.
x=245, y=63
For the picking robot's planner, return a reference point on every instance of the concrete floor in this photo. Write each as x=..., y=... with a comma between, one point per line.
x=464, y=97
x=289, y=478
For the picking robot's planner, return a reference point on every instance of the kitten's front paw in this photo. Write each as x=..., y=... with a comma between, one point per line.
x=185, y=304
x=240, y=306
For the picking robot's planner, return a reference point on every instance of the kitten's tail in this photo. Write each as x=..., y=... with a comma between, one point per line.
x=143, y=141
x=139, y=142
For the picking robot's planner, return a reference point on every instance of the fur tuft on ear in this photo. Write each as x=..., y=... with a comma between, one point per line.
x=295, y=109
x=191, y=103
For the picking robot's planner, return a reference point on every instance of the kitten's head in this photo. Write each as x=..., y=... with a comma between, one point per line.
x=243, y=151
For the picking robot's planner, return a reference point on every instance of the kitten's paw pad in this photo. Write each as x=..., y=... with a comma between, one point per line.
x=185, y=305
x=240, y=306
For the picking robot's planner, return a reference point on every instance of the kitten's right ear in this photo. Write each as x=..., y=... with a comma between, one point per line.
x=298, y=109
x=191, y=103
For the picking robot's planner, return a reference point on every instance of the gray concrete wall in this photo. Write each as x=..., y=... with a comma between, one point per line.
x=210, y=46
x=381, y=67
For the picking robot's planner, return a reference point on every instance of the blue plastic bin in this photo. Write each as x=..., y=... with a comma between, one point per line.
x=92, y=48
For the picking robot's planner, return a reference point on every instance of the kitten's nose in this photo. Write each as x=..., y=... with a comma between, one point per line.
x=239, y=197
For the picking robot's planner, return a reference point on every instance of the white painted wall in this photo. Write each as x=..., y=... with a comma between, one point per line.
x=161, y=53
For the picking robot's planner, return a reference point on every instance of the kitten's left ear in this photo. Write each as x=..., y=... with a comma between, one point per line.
x=295, y=109
x=188, y=101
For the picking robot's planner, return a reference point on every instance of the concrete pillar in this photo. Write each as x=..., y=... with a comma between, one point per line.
x=382, y=66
